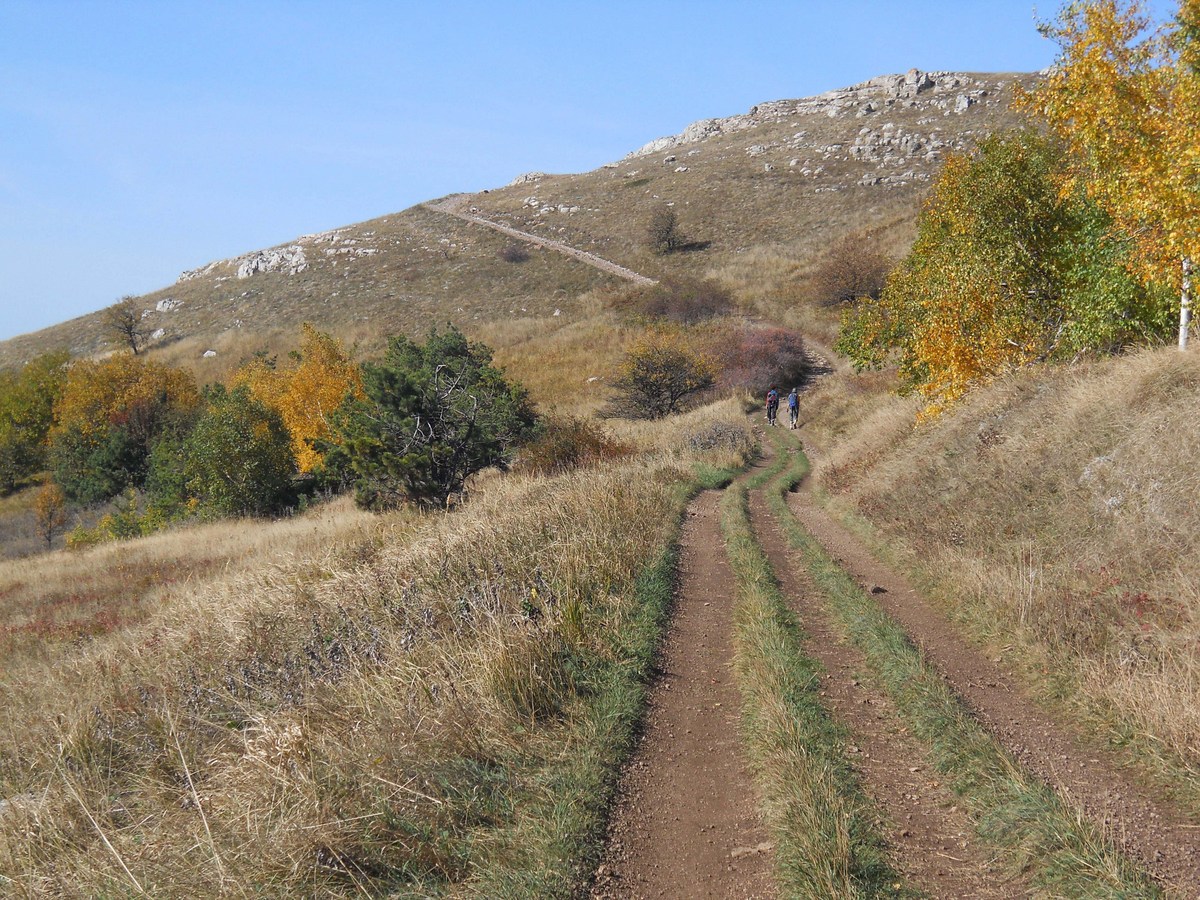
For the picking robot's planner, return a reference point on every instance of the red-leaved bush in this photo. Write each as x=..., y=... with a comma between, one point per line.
x=754, y=357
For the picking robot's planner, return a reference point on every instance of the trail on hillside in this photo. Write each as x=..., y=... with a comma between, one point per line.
x=686, y=822
x=453, y=206
x=1147, y=826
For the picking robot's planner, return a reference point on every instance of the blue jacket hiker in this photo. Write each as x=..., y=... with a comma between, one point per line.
x=794, y=406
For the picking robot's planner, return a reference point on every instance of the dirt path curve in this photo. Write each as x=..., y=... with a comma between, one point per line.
x=686, y=824
x=454, y=206
x=1165, y=838
x=932, y=838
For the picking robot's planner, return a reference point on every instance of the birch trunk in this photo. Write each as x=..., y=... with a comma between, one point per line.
x=1185, y=303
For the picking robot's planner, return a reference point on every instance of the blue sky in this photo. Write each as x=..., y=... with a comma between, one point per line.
x=138, y=139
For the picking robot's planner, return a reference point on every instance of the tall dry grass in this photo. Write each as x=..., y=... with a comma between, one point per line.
x=349, y=705
x=1056, y=510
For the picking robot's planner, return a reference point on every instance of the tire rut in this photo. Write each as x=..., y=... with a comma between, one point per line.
x=930, y=835
x=1146, y=826
x=686, y=822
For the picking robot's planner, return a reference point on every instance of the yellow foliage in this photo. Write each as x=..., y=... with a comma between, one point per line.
x=98, y=395
x=306, y=394
x=1126, y=100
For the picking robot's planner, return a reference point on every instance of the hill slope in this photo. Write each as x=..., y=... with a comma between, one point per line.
x=784, y=179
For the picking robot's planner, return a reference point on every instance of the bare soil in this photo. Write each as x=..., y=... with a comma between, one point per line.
x=686, y=823
x=931, y=837
x=1147, y=826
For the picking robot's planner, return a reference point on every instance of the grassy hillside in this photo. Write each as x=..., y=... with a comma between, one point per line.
x=339, y=703
x=1054, y=513
x=762, y=195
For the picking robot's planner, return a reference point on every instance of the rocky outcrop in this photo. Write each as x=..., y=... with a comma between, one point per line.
x=289, y=260
x=947, y=93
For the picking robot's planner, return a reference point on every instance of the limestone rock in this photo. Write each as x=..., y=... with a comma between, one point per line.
x=278, y=259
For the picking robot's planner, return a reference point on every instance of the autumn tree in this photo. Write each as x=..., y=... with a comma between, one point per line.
x=124, y=321
x=1125, y=98
x=27, y=401
x=659, y=373
x=49, y=512
x=107, y=420
x=1006, y=269
x=432, y=415
x=307, y=393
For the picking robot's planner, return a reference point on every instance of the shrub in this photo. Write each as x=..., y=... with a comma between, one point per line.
x=659, y=374
x=514, y=253
x=568, y=443
x=433, y=415
x=751, y=358
x=852, y=267
x=720, y=435
x=238, y=457
x=682, y=300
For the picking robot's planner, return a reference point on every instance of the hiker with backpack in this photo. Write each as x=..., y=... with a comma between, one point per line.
x=794, y=406
x=772, y=405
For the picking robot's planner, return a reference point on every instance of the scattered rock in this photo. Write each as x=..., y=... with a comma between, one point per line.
x=209, y=354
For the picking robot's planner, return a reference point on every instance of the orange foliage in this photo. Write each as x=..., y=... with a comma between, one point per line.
x=120, y=390
x=306, y=394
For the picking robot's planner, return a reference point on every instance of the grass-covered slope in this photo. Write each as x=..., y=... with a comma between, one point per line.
x=762, y=195
x=419, y=705
x=1054, y=512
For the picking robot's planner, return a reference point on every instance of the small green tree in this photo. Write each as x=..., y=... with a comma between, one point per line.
x=433, y=415
x=238, y=456
x=662, y=230
x=26, y=413
x=124, y=321
x=659, y=373
x=49, y=512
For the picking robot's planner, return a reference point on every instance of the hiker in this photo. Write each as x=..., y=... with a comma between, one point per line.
x=772, y=405
x=794, y=406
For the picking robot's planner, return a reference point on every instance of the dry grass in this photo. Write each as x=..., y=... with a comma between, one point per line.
x=349, y=705
x=1057, y=508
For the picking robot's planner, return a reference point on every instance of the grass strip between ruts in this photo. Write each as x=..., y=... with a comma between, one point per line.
x=1015, y=814
x=824, y=828
x=553, y=848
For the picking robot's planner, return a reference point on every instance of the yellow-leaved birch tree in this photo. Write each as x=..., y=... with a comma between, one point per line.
x=1125, y=97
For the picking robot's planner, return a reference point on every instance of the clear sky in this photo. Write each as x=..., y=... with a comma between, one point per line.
x=138, y=139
